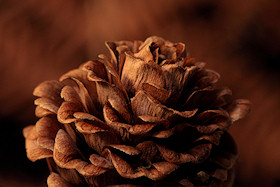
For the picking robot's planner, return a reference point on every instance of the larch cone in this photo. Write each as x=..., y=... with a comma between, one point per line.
x=146, y=116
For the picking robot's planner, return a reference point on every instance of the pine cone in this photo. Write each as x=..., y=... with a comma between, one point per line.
x=146, y=116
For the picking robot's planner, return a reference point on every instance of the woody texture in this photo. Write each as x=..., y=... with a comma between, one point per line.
x=145, y=116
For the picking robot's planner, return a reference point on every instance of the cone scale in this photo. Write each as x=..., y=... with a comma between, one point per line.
x=146, y=115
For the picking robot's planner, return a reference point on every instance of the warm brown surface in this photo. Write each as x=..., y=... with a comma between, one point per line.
x=42, y=40
x=161, y=118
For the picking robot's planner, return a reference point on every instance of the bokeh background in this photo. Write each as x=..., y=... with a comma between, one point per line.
x=41, y=40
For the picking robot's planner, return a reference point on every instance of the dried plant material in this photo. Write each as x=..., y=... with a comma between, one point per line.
x=146, y=116
x=54, y=180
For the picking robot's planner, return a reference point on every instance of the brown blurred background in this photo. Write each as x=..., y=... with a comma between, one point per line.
x=40, y=40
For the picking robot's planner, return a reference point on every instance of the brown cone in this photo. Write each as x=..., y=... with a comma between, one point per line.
x=146, y=116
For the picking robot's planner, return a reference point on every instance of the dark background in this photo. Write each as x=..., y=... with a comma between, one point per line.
x=41, y=40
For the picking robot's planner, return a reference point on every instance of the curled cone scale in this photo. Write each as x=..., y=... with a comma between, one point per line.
x=145, y=116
